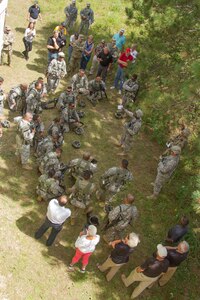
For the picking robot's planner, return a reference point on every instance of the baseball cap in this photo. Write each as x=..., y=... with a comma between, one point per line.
x=161, y=250
x=61, y=54
x=122, y=30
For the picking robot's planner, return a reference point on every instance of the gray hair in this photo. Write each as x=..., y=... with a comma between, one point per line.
x=92, y=230
x=184, y=246
x=133, y=240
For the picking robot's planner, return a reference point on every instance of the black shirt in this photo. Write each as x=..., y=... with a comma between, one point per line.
x=106, y=59
x=175, y=258
x=50, y=42
x=120, y=254
x=154, y=267
x=177, y=232
x=34, y=11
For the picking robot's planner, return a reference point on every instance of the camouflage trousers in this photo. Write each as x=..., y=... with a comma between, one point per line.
x=161, y=179
x=108, y=193
x=69, y=23
x=22, y=150
x=46, y=196
x=113, y=234
x=8, y=54
x=84, y=27
x=94, y=97
x=126, y=141
x=52, y=83
x=128, y=98
x=74, y=64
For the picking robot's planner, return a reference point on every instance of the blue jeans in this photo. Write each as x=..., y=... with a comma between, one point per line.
x=119, y=78
x=51, y=56
x=84, y=61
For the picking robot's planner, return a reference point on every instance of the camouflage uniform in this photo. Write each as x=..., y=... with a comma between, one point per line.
x=50, y=162
x=24, y=140
x=43, y=90
x=112, y=181
x=87, y=18
x=79, y=165
x=96, y=89
x=130, y=89
x=165, y=169
x=95, y=61
x=120, y=216
x=180, y=140
x=16, y=97
x=39, y=130
x=8, y=39
x=71, y=13
x=48, y=188
x=33, y=101
x=44, y=146
x=65, y=99
x=81, y=197
x=80, y=84
x=2, y=98
x=78, y=48
x=57, y=129
x=71, y=119
x=56, y=71
x=130, y=130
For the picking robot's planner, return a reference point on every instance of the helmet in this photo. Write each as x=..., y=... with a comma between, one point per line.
x=5, y=124
x=81, y=103
x=139, y=113
x=118, y=115
x=79, y=130
x=176, y=149
x=186, y=132
x=76, y=144
x=81, y=113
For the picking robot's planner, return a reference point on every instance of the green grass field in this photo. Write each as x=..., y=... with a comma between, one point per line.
x=30, y=271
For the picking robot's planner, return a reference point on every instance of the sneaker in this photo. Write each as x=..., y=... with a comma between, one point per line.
x=82, y=271
x=120, y=92
x=112, y=87
x=70, y=268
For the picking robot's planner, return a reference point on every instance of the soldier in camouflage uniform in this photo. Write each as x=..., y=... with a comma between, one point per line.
x=47, y=144
x=166, y=168
x=49, y=187
x=8, y=39
x=180, y=140
x=71, y=13
x=80, y=83
x=17, y=96
x=70, y=117
x=66, y=98
x=38, y=125
x=114, y=51
x=113, y=180
x=2, y=99
x=43, y=91
x=131, y=129
x=56, y=71
x=87, y=18
x=130, y=90
x=24, y=139
x=96, y=90
x=33, y=100
x=119, y=218
x=97, y=51
x=81, y=195
x=78, y=48
x=51, y=162
x=78, y=165
x=56, y=128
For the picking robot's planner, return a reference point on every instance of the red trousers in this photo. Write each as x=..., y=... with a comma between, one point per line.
x=78, y=255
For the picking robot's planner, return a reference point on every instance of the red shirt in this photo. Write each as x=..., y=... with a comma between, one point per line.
x=125, y=58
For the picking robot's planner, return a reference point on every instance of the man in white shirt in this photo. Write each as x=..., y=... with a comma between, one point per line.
x=57, y=214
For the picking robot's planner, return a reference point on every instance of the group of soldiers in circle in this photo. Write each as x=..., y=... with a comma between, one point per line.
x=29, y=100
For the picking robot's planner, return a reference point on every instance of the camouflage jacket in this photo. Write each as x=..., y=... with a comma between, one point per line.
x=167, y=165
x=122, y=215
x=71, y=12
x=25, y=131
x=78, y=48
x=57, y=68
x=65, y=99
x=70, y=115
x=116, y=176
x=87, y=15
x=49, y=185
x=79, y=82
x=79, y=165
x=95, y=86
x=8, y=39
x=83, y=189
x=130, y=88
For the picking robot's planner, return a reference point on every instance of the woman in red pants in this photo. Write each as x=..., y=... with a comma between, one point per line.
x=85, y=245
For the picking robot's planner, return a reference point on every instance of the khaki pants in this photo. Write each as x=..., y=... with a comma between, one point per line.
x=167, y=276
x=113, y=268
x=144, y=282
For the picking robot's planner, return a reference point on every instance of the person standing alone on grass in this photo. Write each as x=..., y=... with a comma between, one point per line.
x=28, y=39
x=34, y=13
x=8, y=39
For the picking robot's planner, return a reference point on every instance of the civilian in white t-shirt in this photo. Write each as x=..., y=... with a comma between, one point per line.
x=57, y=214
x=85, y=245
x=28, y=39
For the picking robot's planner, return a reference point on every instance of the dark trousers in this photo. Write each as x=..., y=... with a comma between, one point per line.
x=102, y=71
x=56, y=228
x=84, y=62
x=28, y=47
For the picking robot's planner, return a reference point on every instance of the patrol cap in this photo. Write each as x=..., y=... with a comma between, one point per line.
x=186, y=132
x=139, y=113
x=61, y=54
x=176, y=149
x=161, y=250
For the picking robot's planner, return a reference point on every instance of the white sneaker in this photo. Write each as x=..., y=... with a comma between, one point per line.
x=120, y=92
x=112, y=87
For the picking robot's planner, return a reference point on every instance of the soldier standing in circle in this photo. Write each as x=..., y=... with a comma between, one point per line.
x=8, y=40
x=78, y=47
x=87, y=18
x=119, y=218
x=56, y=71
x=33, y=99
x=166, y=168
x=24, y=139
x=130, y=130
x=71, y=13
